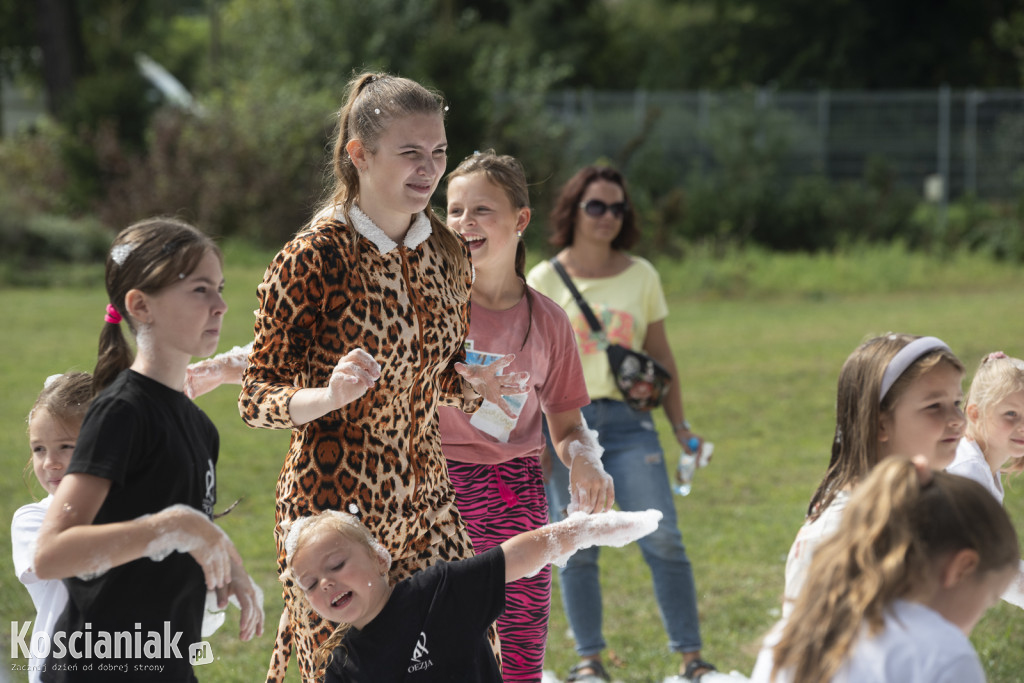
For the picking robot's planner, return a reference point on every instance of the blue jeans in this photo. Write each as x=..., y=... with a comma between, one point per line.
x=635, y=461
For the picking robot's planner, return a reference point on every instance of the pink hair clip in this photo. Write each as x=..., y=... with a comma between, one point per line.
x=995, y=355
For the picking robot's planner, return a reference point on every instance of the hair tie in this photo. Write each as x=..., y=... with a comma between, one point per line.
x=995, y=355
x=112, y=316
x=905, y=358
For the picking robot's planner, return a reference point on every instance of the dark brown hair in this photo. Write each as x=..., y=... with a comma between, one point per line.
x=148, y=256
x=567, y=207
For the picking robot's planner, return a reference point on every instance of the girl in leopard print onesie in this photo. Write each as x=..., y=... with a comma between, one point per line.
x=359, y=338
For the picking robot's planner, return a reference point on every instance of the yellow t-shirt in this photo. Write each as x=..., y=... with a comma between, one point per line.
x=625, y=304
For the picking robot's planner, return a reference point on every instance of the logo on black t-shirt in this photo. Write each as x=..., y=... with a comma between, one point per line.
x=420, y=655
x=211, y=489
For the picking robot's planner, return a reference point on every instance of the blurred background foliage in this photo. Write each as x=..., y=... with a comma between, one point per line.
x=247, y=158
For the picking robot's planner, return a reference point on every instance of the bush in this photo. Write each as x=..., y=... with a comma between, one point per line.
x=250, y=168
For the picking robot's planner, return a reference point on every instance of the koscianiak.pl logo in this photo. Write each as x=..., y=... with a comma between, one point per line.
x=143, y=648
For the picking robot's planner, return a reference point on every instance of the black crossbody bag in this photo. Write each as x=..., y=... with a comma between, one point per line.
x=642, y=380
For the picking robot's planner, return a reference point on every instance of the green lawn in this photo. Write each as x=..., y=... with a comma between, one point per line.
x=759, y=375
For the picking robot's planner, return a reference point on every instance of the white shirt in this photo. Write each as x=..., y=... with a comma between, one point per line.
x=970, y=462
x=808, y=539
x=48, y=596
x=916, y=645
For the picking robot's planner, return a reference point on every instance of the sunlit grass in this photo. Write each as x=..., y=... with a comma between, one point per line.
x=758, y=360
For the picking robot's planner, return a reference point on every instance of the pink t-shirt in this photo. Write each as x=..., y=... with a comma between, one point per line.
x=489, y=436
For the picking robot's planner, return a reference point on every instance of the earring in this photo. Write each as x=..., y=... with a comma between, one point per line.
x=519, y=234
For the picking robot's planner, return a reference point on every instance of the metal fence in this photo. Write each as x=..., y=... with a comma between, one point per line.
x=944, y=143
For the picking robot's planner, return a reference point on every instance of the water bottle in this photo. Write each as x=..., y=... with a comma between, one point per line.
x=689, y=461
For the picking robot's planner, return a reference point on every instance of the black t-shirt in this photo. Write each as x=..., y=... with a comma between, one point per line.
x=434, y=628
x=158, y=449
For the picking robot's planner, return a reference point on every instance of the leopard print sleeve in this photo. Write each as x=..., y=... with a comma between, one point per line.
x=451, y=384
x=288, y=310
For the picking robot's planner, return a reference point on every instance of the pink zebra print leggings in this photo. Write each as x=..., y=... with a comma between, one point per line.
x=497, y=502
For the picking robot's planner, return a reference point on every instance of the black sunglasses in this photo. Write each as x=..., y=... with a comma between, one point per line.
x=596, y=208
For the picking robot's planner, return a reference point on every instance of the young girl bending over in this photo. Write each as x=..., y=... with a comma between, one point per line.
x=53, y=425
x=494, y=457
x=994, y=440
x=897, y=394
x=130, y=526
x=892, y=597
x=431, y=627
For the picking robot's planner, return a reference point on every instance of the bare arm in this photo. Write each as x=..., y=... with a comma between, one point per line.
x=70, y=544
x=529, y=552
x=657, y=347
x=590, y=487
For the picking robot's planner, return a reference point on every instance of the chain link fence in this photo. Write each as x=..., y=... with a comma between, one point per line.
x=942, y=143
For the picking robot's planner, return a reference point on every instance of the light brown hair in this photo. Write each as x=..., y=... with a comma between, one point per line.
x=374, y=102
x=66, y=398
x=892, y=534
x=507, y=173
x=855, y=445
x=997, y=377
x=298, y=532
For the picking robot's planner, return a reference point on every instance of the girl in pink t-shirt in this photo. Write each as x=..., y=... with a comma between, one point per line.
x=494, y=454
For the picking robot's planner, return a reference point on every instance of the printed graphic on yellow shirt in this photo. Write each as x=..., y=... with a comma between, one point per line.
x=617, y=326
x=489, y=418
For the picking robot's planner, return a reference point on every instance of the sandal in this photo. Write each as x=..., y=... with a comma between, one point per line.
x=596, y=674
x=692, y=667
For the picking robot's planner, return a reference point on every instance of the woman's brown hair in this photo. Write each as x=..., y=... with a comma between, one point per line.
x=567, y=207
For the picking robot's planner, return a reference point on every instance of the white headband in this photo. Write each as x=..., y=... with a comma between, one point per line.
x=905, y=358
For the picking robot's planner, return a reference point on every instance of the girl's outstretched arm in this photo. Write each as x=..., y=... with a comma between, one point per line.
x=529, y=552
x=71, y=545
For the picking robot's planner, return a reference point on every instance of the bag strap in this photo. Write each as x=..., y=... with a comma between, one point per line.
x=592, y=320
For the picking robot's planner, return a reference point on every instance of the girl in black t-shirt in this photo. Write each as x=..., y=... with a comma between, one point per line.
x=130, y=529
x=431, y=626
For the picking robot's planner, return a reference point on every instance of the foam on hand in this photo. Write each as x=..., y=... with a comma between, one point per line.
x=613, y=528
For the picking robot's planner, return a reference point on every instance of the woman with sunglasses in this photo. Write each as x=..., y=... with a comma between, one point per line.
x=594, y=224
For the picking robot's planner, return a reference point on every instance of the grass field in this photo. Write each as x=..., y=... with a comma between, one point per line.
x=759, y=341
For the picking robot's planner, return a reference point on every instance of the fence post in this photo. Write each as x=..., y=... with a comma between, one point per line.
x=943, y=153
x=823, y=124
x=639, y=108
x=971, y=100
x=703, y=117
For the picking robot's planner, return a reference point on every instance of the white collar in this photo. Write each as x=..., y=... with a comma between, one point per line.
x=417, y=234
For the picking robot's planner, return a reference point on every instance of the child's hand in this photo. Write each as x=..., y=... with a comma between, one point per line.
x=243, y=592
x=613, y=528
x=486, y=381
x=184, y=529
x=353, y=376
x=591, y=489
x=225, y=368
